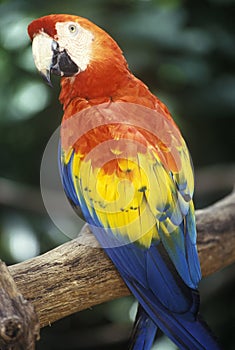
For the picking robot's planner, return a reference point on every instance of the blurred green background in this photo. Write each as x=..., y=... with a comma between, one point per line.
x=185, y=52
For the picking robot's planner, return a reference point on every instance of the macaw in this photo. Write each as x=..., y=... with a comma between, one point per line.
x=125, y=164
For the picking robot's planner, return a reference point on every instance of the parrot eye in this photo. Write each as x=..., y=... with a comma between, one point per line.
x=73, y=28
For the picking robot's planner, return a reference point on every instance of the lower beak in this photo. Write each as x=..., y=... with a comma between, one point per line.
x=49, y=58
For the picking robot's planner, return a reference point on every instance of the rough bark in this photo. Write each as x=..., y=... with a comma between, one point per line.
x=19, y=326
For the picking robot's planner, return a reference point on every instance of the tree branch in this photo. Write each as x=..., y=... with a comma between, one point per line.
x=19, y=327
x=75, y=276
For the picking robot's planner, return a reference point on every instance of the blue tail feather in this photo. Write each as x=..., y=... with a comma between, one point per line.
x=185, y=333
x=175, y=314
x=144, y=331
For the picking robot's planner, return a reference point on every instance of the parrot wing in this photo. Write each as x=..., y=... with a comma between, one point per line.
x=136, y=185
x=135, y=190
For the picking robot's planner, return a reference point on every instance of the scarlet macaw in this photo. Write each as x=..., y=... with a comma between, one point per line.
x=124, y=163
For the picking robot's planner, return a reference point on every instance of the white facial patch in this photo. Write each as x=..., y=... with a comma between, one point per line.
x=77, y=41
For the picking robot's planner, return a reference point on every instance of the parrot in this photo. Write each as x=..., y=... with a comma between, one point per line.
x=125, y=165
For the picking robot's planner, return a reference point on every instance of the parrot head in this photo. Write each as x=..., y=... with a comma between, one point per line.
x=67, y=45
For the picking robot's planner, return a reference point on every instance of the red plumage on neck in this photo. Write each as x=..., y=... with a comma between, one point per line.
x=99, y=80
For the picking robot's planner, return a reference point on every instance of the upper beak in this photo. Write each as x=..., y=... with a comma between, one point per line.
x=49, y=58
x=43, y=55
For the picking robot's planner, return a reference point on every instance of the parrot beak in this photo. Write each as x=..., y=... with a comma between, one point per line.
x=49, y=58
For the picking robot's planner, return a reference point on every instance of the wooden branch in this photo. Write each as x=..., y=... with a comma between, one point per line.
x=216, y=235
x=76, y=276
x=19, y=327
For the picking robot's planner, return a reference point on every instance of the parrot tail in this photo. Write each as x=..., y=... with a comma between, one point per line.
x=144, y=331
x=186, y=332
x=200, y=331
